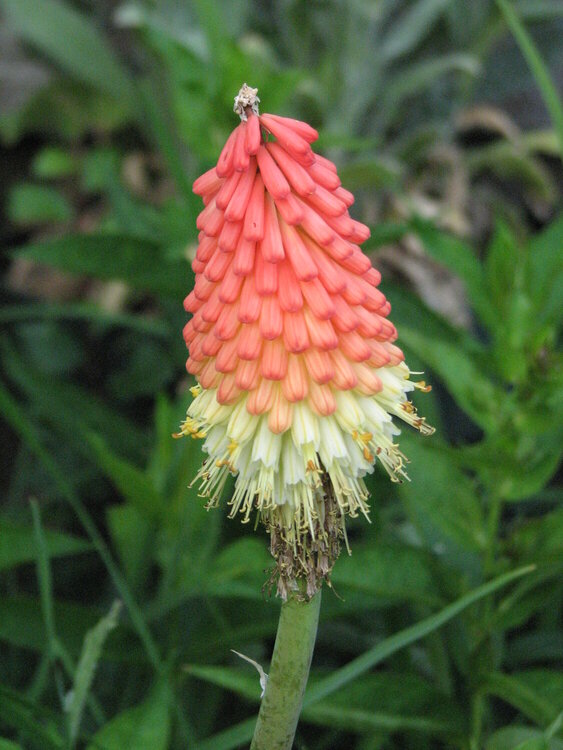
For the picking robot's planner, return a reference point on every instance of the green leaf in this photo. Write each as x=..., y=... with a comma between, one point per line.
x=22, y=626
x=515, y=317
x=369, y=174
x=139, y=262
x=71, y=409
x=37, y=204
x=555, y=726
x=500, y=267
x=241, y=680
x=70, y=40
x=530, y=648
x=439, y=496
x=63, y=110
x=474, y=392
x=36, y=724
x=546, y=683
x=384, y=233
x=147, y=365
x=544, y=274
x=357, y=720
x=409, y=635
x=132, y=534
x=414, y=78
x=102, y=172
x=385, y=571
x=133, y=483
x=460, y=259
x=238, y=569
x=56, y=649
x=50, y=350
x=352, y=719
x=518, y=737
x=234, y=737
x=411, y=312
x=144, y=727
x=100, y=167
x=524, y=693
x=532, y=472
x=385, y=702
x=52, y=163
x=9, y=745
x=539, y=539
x=83, y=311
x=531, y=596
x=538, y=68
x=17, y=544
x=44, y=576
x=160, y=131
x=537, y=743
x=28, y=432
x=86, y=668
x=411, y=27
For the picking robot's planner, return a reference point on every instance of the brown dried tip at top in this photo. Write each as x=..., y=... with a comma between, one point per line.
x=246, y=101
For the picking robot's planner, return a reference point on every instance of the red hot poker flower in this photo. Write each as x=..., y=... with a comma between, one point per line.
x=290, y=342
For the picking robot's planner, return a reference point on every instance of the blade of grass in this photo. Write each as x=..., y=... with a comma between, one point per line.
x=353, y=717
x=22, y=426
x=40, y=678
x=554, y=727
x=56, y=650
x=537, y=67
x=231, y=738
x=9, y=745
x=86, y=669
x=241, y=733
x=45, y=581
x=389, y=646
x=521, y=696
x=39, y=726
x=164, y=138
x=360, y=720
x=18, y=544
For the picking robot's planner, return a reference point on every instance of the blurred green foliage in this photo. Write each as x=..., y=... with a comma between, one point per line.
x=440, y=634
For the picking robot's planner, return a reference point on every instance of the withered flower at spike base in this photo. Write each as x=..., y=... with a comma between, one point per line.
x=298, y=375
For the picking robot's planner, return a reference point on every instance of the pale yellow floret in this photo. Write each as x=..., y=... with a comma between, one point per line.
x=281, y=475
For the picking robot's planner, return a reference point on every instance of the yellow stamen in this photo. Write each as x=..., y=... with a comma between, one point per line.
x=421, y=385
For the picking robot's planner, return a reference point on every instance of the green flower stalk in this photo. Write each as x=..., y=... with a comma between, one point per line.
x=291, y=660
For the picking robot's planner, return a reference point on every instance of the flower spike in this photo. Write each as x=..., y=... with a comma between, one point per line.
x=298, y=375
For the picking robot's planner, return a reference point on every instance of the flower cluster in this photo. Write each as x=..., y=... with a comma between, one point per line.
x=291, y=345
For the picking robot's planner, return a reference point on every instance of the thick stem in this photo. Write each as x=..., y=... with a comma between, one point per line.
x=289, y=670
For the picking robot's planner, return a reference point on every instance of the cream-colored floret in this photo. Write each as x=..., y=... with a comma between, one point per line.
x=281, y=475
